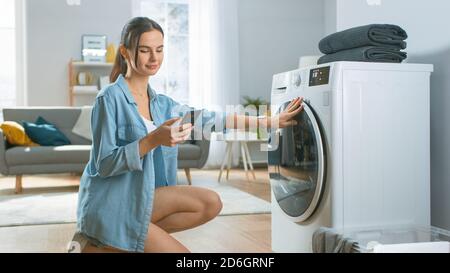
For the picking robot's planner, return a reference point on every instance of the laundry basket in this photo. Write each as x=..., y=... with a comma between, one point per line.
x=401, y=239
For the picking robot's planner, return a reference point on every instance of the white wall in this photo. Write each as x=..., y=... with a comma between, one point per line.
x=426, y=23
x=273, y=35
x=330, y=17
x=54, y=32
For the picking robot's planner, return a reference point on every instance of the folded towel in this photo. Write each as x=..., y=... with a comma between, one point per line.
x=365, y=54
x=326, y=240
x=371, y=35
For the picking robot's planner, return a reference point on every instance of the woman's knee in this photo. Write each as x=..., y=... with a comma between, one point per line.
x=212, y=204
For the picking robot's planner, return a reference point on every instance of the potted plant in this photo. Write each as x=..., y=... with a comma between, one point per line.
x=257, y=103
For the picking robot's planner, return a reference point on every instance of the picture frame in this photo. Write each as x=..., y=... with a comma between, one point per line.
x=94, y=48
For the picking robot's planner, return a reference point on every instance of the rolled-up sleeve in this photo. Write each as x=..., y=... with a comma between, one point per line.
x=132, y=155
x=111, y=159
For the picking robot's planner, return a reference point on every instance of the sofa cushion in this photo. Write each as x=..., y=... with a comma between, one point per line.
x=45, y=133
x=48, y=155
x=64, y=118
x=188, y=152
x=15, y=134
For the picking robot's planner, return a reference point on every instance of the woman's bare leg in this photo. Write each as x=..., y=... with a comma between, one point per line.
x=174, y=209
x=159, y=241
x=183, y=207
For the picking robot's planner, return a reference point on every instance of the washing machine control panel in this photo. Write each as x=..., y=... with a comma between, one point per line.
x=296, y=79
x=319, y=76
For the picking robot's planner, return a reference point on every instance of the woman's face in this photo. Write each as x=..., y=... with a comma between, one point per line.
x=150, y=54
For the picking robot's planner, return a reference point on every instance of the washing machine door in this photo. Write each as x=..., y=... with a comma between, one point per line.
x=297, y=165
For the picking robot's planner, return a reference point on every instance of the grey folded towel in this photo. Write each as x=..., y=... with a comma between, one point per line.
x=365, y=54
x=326, y=240
x=371, y=35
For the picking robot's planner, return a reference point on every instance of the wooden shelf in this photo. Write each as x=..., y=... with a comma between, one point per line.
x=97, y=69
x=85, y=90
x=85, y=64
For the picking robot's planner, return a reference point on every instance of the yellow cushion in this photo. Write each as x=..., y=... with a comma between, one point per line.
x=15, y=134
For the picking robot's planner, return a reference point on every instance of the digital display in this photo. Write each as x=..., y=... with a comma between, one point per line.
x=319, y=76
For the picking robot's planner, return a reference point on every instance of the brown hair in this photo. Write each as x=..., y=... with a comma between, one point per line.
x=131, y=34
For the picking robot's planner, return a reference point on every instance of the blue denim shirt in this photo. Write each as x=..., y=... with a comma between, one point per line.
x=117, y=186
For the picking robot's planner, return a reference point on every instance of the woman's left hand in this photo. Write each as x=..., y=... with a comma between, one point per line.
x=286, y=118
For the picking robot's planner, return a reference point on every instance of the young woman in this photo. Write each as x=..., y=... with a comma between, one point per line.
x=128, y=198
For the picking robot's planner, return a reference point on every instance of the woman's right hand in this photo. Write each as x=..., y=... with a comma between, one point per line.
x=170, y=135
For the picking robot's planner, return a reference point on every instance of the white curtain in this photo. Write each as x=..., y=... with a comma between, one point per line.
x=214, y=62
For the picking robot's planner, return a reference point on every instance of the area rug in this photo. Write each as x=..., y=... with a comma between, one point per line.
x=59, y=208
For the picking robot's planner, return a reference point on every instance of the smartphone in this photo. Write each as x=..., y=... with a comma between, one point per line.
x=190, y=117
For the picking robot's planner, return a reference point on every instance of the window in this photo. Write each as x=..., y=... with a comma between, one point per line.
x=8, y=48
x=173, y=16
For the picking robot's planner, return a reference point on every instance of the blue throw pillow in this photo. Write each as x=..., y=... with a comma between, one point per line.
x=42, y=121
x=44, y=133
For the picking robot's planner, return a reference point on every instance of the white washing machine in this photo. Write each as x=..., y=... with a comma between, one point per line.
x=359, y=155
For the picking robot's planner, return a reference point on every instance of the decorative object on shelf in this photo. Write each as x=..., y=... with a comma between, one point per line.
x=94, y=48
x=257, y=103
x=111, y=53
x=85, y=78
x=104, y=81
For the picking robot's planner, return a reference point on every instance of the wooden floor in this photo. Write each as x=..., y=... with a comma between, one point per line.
x=242, y=233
